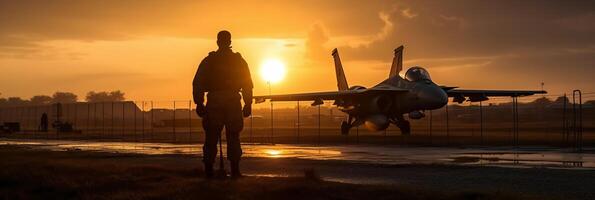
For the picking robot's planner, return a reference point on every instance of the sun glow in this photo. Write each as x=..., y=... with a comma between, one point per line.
x=273, y=153
x=272, y=70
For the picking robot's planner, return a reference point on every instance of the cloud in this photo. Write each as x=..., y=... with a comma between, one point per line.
x=408, y=13
x=315, y=43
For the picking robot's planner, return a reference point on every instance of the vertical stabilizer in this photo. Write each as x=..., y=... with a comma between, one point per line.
x=397, y=65
x=341, y=80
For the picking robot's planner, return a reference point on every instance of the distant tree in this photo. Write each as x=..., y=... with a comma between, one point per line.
x=105, y=96
x=117, y=95
x=40, y=100
x=64, y=97
x=3, y=101
x=560, y=100
x=16, y=101
x=590, y=102
x=543, y=101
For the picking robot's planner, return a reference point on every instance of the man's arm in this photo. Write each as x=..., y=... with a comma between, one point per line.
x=198, y=84
x=246, y=87
x=247, y=84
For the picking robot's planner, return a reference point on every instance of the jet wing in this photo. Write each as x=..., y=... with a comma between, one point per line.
x=482, y=95
x=331, y=95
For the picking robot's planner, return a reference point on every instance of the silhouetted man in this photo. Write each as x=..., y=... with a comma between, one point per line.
x=43, y=126
x=223, y=75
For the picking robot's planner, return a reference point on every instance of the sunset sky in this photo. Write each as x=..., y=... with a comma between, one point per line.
x=151, y=49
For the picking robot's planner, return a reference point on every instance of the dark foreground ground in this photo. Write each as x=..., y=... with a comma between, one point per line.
x=27, y=173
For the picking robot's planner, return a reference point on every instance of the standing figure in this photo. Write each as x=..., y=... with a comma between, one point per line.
x=43, y=125
x=223, y=75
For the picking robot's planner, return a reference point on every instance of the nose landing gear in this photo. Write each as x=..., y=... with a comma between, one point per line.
x=350, y=123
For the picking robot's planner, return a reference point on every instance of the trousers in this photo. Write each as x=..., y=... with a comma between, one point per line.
x=223, y=110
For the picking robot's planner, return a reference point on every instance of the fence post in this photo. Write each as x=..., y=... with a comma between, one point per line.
x=447, y=126
x=94, y=116
x=319, y=124
x=152, y=115
x=123, y=120
x=88, y=125
x=75, y=122
x=564, y=122
x=103, y=117
x=174, y=121
x=480, y=123
x=577, y=119
x=143, y=121
x=134, y=118
x=111, y=130
x=430, y=127
x=272, y=122
x=189, y=121
x=298, y=122
x=251, y=127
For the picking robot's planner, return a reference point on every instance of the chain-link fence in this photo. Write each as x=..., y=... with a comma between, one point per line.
x=533, y=120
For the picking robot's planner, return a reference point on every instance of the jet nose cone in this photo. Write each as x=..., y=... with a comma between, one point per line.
x=433, y=97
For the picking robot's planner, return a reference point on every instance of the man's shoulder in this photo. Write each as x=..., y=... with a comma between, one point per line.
x=212, y=53
x=238, y=55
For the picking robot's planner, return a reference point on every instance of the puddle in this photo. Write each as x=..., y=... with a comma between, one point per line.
x=389, y=155
x=551, y=159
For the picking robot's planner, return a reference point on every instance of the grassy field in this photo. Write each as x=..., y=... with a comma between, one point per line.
x=36, y=174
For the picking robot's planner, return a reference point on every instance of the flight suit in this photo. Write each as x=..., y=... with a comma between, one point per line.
x=223, y=74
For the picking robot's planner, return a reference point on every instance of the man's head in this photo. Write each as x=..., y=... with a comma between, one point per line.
x=224, y=39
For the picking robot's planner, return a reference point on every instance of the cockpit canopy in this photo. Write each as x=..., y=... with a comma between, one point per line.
x=417, y=73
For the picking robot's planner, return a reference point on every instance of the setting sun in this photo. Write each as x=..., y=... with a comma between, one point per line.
x=272, y=70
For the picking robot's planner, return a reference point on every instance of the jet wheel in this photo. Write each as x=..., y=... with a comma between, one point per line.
x=345, y=128
x=404, y=126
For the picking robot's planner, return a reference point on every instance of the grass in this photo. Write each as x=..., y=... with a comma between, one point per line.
x=38, y=174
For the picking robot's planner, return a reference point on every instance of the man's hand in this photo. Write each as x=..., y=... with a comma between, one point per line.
x=201, y=111
x=247, y=111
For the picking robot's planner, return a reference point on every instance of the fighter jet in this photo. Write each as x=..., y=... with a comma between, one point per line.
x=387, y=102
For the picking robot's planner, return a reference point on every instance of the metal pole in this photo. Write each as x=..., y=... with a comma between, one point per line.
x=189, y=121
x=174, y=121
x=123, y=119
x=318, y=124
x=35, y=129
x=298, y=122
x=251, y=127
x=430, y=127
x=143, y=120
x=112, y=120
x=357, y=134
x=513, y=120
x=272, y=119
x=103, y=117
x=447, y=127
x=480, y=123
x=577, y=119
x=385, y=133
x=88, y=125
x=94, y=116
x=516, y=102
x=75, y=115
x=152, y=115
x=134, y=118
x=564, y=122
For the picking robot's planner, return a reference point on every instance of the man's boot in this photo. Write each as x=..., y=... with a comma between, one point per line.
x=235, y=169
x=208, y=171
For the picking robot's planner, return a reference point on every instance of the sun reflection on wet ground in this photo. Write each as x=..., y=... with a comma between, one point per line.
x=390, y=155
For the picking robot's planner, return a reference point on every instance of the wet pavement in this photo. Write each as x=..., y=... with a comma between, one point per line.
x=539, y=157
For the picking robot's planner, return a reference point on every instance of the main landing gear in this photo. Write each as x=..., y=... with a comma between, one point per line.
x=402, y=124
